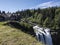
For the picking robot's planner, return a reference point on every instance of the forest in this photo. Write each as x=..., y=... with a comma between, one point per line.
x=48, y=17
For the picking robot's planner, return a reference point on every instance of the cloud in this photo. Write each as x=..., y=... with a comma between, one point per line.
x=47, y=4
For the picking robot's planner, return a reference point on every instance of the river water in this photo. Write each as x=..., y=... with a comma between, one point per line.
x=43, y=35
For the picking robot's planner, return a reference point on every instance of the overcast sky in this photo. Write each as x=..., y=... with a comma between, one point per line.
x=14, y=5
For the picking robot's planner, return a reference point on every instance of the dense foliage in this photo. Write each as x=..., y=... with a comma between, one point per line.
x=48, y=17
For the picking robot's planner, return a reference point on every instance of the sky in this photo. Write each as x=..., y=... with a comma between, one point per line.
x=15, y=5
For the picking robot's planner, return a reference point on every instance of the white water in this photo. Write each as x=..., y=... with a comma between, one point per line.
x=43, y=35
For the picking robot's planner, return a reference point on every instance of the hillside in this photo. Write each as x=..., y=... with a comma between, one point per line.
x=12, y=36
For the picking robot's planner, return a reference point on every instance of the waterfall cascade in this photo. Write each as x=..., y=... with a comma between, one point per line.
x=43, y=35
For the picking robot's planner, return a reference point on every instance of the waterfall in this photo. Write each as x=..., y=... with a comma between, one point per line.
x=39, y=36
x=48, y=37
x=43, y=35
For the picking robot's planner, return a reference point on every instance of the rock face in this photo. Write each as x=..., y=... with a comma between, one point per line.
x=56, y=37
x=43, y=35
